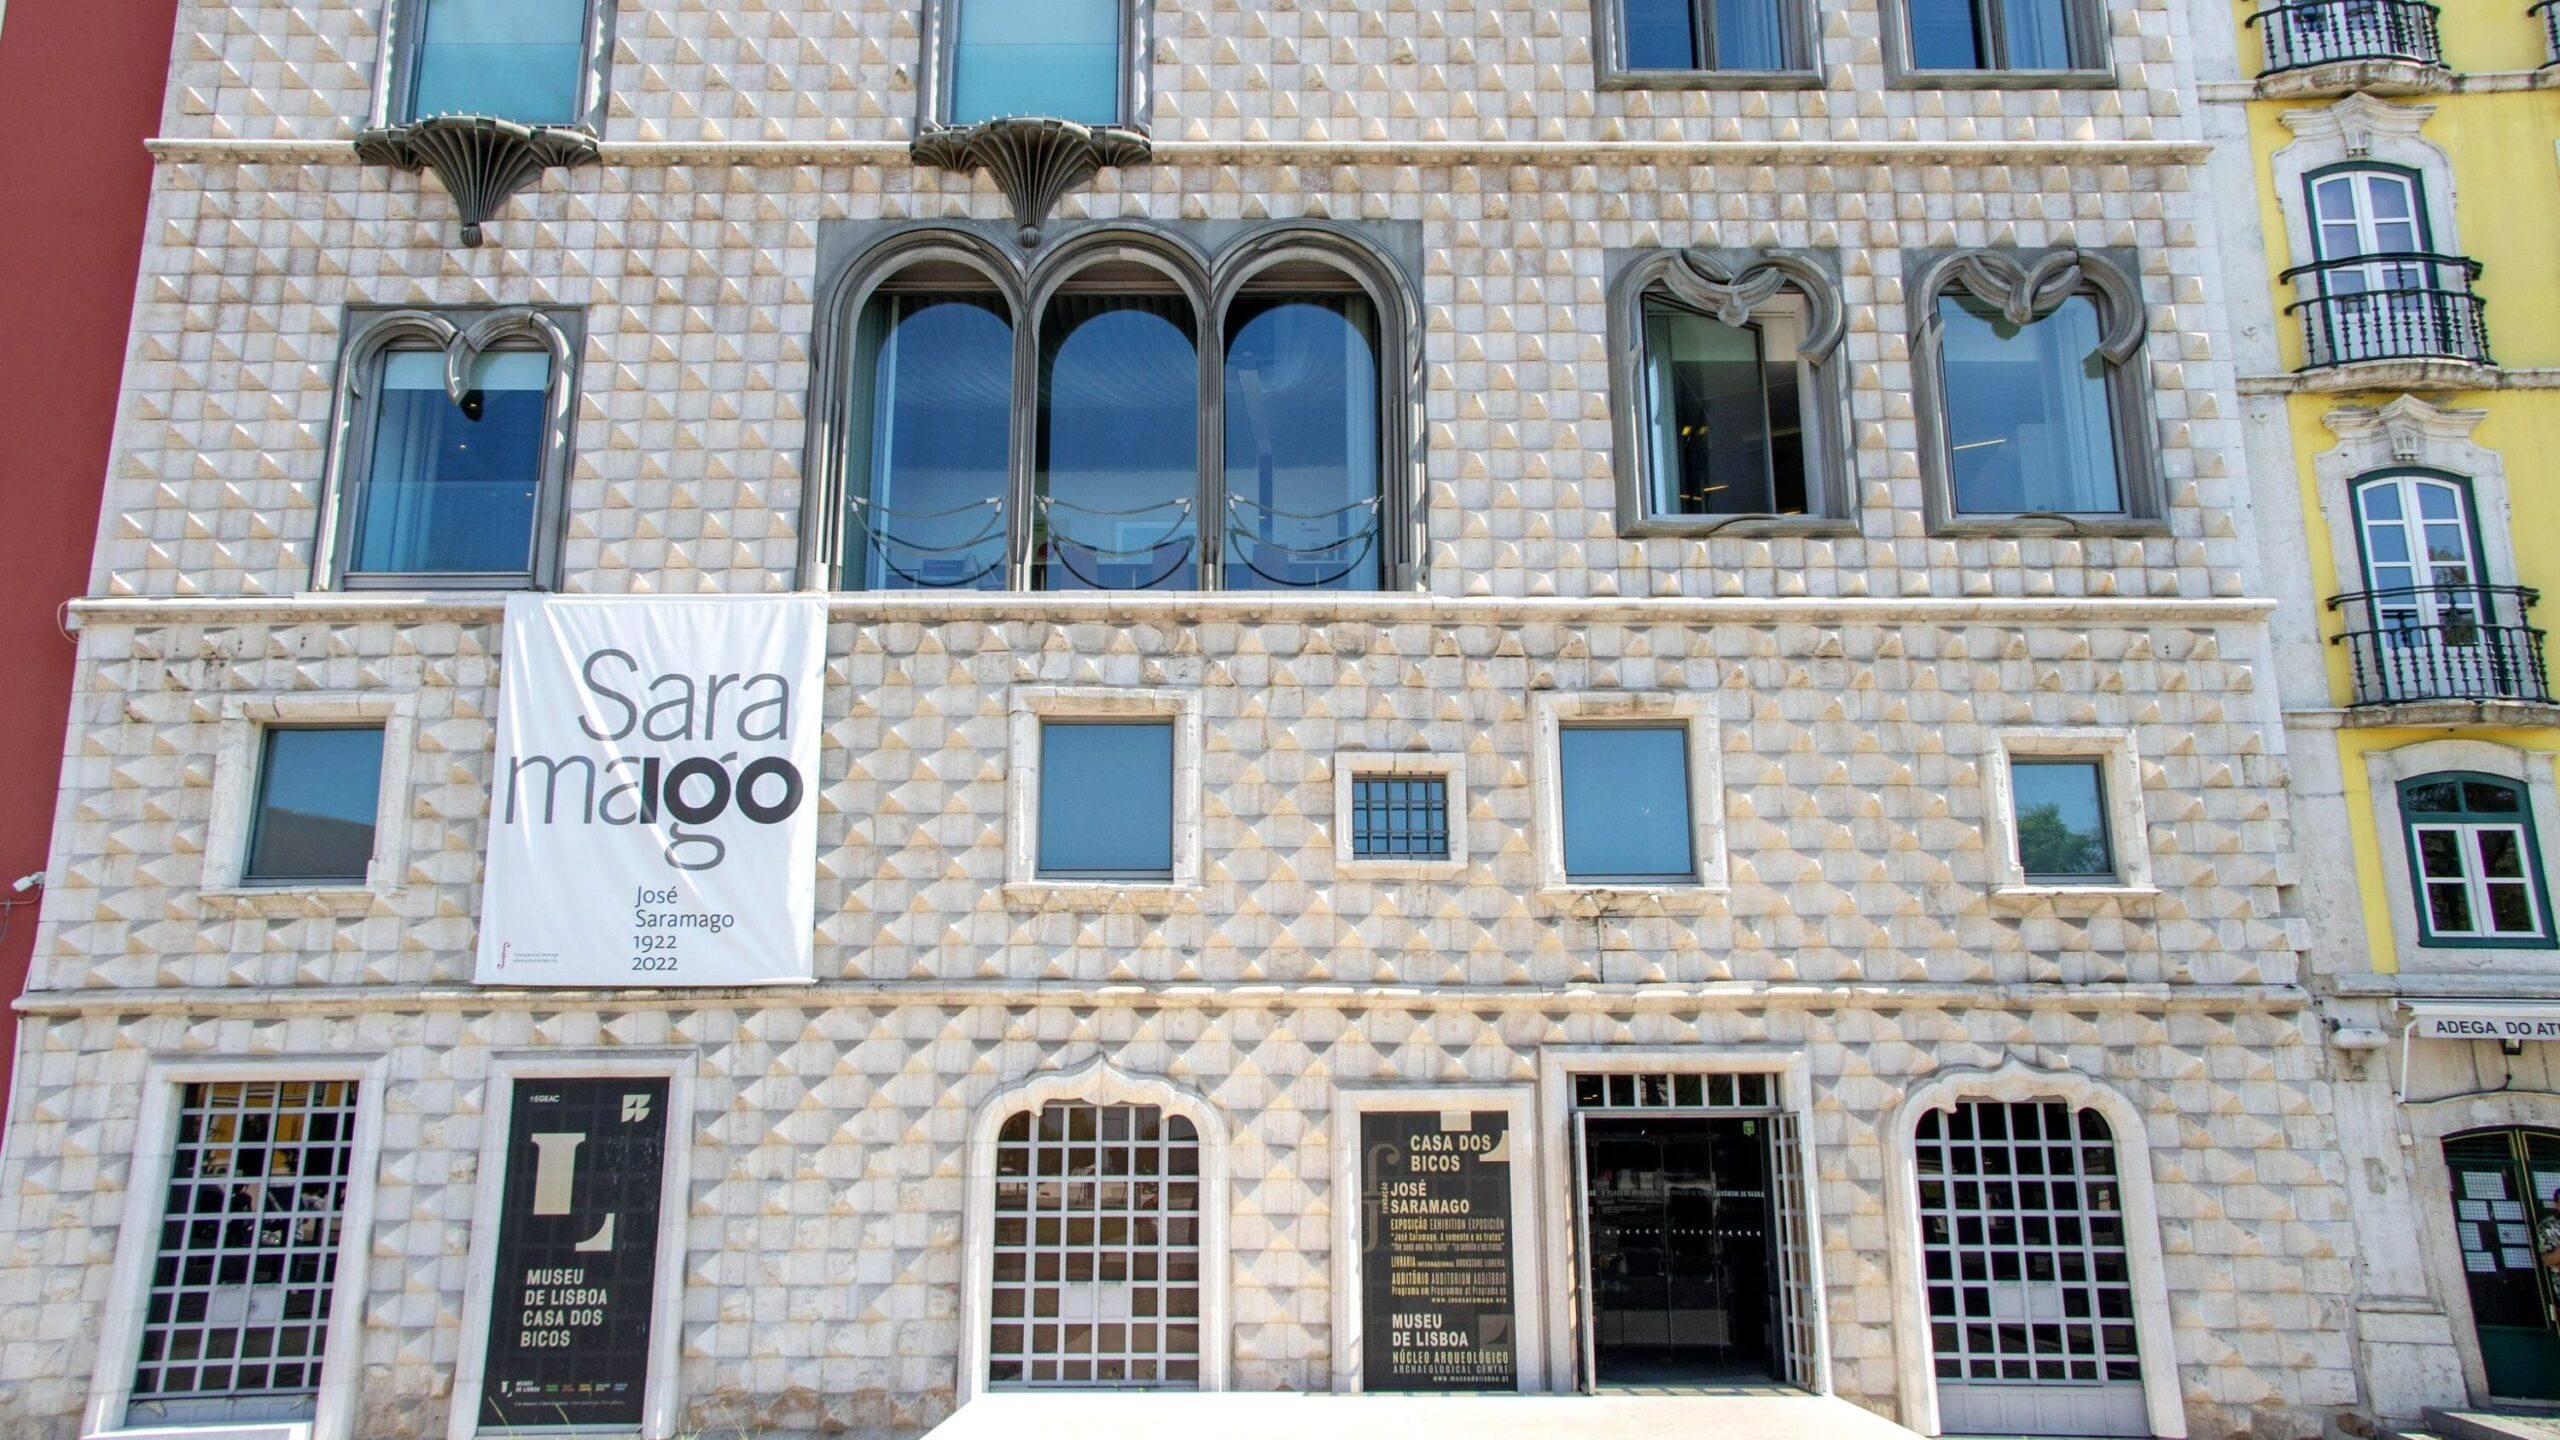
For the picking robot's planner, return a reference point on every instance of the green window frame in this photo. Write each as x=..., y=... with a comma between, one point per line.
x=2474, y=861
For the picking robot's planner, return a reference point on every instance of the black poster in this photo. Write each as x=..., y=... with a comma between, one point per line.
x=1435, y=1251
x=577, y=1255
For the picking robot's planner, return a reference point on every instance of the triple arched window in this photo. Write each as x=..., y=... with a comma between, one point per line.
x=1126, y=414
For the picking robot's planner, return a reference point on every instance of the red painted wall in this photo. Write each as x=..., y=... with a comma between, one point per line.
x=80, y=90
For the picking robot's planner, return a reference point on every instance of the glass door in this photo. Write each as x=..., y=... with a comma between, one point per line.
x=2506, y=1215
x=2380, y=309
x=2425, y=581
x=1678, y=1258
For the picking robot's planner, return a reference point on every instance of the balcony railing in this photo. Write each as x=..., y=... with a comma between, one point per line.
x=2400, y=306
x=2299, y=34
x=2549, y=10
x=2443, y=642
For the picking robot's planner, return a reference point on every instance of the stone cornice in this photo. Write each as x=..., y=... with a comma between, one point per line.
x=278, y=1002
x=1303, y=609
x=337, y=151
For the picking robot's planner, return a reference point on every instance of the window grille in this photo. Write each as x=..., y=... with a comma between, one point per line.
x=2022, y=1220
x=1673, y=1092
x=1400, y=817
x=1097, y=1249
x=240, y=1291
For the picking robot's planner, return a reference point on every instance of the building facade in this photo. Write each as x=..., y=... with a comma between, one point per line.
x=2393, y=170
x=1651, y=608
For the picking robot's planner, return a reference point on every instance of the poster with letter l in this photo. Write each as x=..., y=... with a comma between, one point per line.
x=653, y=813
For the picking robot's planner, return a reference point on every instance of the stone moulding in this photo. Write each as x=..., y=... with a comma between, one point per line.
x=483, y=162
x=2347, y=77
x=1035, y=161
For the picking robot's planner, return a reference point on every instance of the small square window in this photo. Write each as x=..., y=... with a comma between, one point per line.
x=2061, y=814
x=1626, y=804
x=1400, y=817
x=1106, y=801
x=319, y=790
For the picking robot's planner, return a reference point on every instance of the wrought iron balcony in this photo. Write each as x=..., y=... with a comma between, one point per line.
x=2443, y=642
x=2549, y=10
x=2300, y=34
x=2399, y=306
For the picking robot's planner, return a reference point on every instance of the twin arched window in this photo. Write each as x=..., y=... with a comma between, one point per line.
x=1126, y=418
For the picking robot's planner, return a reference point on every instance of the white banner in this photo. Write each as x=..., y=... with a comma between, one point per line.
x=2483, y=1020
x=654, y=812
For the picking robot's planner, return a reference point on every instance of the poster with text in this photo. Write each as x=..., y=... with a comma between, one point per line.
x=653, y=815
x=1435, y=1251
x=577, y=1264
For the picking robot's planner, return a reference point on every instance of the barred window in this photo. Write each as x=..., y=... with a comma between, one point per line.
x=1400, y=817
x=240, y=1289
x=1097, y=1249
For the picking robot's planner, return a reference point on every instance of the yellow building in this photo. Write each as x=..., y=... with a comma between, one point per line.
x=2400, y=378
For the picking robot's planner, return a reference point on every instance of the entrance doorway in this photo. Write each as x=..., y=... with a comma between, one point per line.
x=2503, y=1181
x=1694, y=1268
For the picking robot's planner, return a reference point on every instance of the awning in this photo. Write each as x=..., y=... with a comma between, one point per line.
x=1138, y=1415
x=2483, y=1019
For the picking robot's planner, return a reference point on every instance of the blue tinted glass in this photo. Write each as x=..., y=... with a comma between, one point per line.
x=2029, y=423
x=1302, y=444
x=1750, y=35
x=448, y=493
x=1659, y=35
x=939, y=424
x=318, y=793
x=1106, y=800
x=2062, y=819
x=1943, y=35
x=1119, y=443
x=1037, y=57
x=2039, y=34
x=1626, y=803
x=523, y=60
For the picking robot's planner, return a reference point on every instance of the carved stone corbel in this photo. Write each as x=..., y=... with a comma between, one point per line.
x=1034, y=160
x=483, y=162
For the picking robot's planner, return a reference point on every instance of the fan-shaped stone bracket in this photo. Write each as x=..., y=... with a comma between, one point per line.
x=1034, y=160
x=483, y=161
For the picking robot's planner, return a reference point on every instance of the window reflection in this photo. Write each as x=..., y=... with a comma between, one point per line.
x=934, y=404
x=1302, y=443
x=1106, y=800
x=1726, y=413
x=318, y=793
x=1119, y=461
x=2030, y=423
x=1626, y=803
x=1058, y=58
x=2062, y=819
x=451, y=489
x=521, y=60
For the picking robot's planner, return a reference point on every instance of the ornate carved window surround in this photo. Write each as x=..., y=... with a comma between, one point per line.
x=2028, y=285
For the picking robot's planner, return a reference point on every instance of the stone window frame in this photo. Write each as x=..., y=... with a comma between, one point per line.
x=2360, y=132
x=238, y=753
x=2384, y=770
x=2090, y=22
x=1211, y=282
x=1031, y=707
x=1558, y=1186
x=2029, y=284
x=395, y=69
x=940, y=49
x=463, y=334
x=1550, y=713
x=661, y=1406
x=1528, y=1304
x=1352, y=766
x=2014, y=1083
x=2118, y=755
x=120, y=1322
x=1608, y=45
x=1728, y=286
x=2409, y=435
x=1096, y=1082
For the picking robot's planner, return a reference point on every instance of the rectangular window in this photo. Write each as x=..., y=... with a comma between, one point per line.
x=1626, y=804
x=2000, y=35
x=453, y=489
x=1742, y=35
x=2030, y=422
x=2061, y=813
x=2476, y=881
x=319, y=790
x=1726, y=410
x=520, y=60
x=248, y=1251
x=1400, y=817
x=1106, y=801
x=1052, y=58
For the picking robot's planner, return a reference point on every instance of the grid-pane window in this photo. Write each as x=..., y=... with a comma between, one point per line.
x=1671, y=1091
x=1400, y=817
x=2022, y=1221
x=240, y=1290
x=2471, y=843
x=318, y=792
x=521, y=60
x=1097, y=1249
